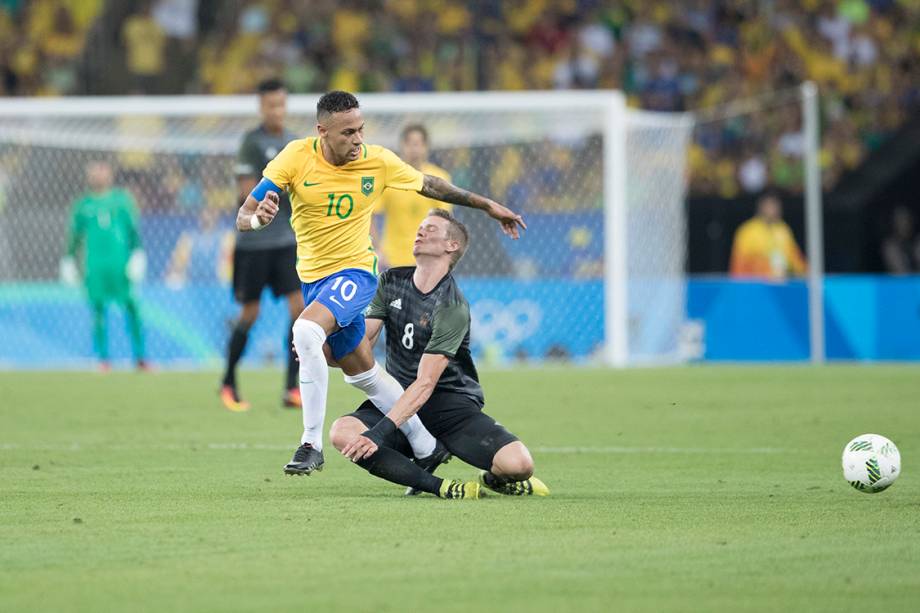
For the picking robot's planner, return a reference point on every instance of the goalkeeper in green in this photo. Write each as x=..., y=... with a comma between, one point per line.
x=104, y=222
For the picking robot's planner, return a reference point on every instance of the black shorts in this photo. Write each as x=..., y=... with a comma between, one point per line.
x=454, y=419
x=254, y=269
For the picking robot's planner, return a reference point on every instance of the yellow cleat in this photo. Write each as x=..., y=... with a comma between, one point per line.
x=528, y=487
x=455, y=489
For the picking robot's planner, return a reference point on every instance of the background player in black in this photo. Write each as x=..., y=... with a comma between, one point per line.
x=264, y=258
x=428, y=351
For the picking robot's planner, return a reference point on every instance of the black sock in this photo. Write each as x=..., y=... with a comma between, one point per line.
x=293, y=366
x=393, y=466
x=235, y=351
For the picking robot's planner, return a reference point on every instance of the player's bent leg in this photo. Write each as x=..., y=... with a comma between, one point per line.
x=358, y=361
x=391, y=461
x=344, y=430
x=513, y=462
x=362, y=372
x=512, y=473
x=478, y=440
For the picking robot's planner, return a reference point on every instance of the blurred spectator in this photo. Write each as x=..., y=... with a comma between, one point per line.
x=752, y=173
x=145, y=50
x=901, y=248
x=203, y=255
x=764, y=246
x=178, y=19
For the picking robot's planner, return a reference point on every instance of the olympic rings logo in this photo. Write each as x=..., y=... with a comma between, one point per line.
x=507, y=324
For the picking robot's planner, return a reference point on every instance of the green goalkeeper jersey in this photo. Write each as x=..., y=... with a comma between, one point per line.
x=106, y=224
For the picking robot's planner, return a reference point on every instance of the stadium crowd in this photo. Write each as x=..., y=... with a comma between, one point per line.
x=668, y=56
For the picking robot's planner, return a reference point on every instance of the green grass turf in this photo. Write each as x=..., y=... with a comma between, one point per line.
x=691, y=489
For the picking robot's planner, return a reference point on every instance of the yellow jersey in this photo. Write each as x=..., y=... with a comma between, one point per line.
x=765, y=250
x=402, y=213
x=331, y=206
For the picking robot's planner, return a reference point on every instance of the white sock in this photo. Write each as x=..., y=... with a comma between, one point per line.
x=314, y=379
x=383, y=390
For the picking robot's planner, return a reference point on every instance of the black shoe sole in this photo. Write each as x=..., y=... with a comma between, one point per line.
x=302, y=471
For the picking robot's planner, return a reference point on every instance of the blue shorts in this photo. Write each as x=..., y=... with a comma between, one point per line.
x=346, y=293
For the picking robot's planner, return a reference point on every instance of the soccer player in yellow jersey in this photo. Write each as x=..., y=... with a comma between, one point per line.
x=333, y=181
x=402, y=211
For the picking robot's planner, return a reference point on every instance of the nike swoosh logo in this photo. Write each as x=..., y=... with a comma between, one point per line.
x=308, y=184
x=306, y=382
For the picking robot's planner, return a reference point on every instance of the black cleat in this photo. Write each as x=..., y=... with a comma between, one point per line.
x=306, y=460
x=439, y=456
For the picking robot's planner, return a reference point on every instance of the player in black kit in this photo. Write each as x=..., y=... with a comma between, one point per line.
x=267, y=258
x=427, y=323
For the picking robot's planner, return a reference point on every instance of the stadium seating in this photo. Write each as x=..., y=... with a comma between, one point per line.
x=667, y=56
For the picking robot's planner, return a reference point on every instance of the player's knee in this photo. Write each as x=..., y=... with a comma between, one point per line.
x=308, y=338
x=514, y=462
x=344, y=430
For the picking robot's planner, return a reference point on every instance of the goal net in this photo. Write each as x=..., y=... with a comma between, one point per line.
x=598, y=276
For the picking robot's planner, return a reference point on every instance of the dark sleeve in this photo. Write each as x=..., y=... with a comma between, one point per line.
x=249, y=159
x=448, y=328
x=377, y=309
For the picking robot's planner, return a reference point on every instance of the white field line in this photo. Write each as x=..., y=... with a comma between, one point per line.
x=603, y=450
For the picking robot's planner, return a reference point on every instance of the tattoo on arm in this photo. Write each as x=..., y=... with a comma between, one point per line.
x=439, y=189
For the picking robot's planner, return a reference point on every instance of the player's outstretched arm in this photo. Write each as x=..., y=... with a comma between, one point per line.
x=255, y=214
x=445, y=191
x=430, y=369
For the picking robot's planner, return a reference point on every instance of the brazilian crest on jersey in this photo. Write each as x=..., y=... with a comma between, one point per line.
x=437, y=322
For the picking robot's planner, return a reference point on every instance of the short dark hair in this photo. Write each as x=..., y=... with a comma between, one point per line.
x=456, y=231
x=270, y=85
x=414, y=127
x=335, y=102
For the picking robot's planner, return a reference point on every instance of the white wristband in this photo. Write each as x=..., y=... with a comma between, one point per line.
x=254, y=222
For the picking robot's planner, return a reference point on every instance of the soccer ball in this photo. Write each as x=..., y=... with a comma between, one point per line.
x=871, y=463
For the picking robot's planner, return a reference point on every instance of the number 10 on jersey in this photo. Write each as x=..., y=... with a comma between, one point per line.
x=341, y=208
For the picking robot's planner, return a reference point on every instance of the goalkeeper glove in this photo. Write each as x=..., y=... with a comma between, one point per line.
x=137, y=266
x=68, y=271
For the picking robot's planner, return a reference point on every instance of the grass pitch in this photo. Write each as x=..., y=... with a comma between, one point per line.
x=692, y=489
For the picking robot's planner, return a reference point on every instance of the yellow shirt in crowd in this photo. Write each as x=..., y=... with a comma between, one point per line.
x=765, y=250
x=331, y=206
x=146, y=45
x=403, y=212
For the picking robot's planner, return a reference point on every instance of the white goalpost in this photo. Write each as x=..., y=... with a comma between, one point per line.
x=599, y=277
